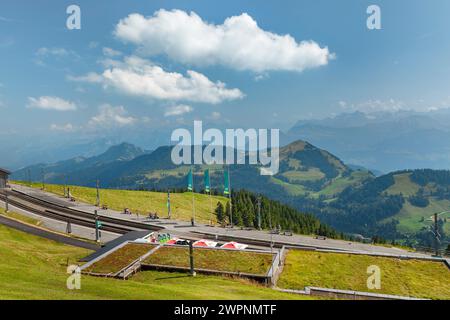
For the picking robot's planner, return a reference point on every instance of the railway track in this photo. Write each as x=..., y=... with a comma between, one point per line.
x=61, y=213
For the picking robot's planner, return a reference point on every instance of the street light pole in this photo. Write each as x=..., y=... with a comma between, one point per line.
x=169, y=213
x=43, y=178
x=436, y=235
x=97, y=202
x=191, y=258
x=259, y=212
x=6, y=201
x=97, y=236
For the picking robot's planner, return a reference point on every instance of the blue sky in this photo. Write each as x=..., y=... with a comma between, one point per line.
x=45, y=89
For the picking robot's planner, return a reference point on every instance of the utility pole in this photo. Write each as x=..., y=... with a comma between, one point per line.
x=97, y=201
x=169, y=213
x=193, y=200
x=64, y=184
x=271, y=231
x=436, y=235
x=6, y=201
x=43, y=178
x=259, y=212
x=29, y=177
x=97, y=225
x=191, y=258
x=229, y=197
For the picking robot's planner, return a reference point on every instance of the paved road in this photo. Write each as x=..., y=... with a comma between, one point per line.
x=61, y=226
x=47, y=234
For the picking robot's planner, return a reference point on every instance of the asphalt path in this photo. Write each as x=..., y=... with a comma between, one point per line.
x=47, y=234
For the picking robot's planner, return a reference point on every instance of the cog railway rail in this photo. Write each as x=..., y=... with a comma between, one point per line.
x=61, y=213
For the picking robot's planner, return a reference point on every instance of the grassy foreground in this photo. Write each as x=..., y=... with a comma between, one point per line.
x=220, y=260
x=415, y=278
x=20, y=217
x=143, y=202
x=35, y=268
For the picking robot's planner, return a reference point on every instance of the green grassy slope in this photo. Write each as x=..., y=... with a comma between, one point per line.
x=411, y=218
x=144, y=202
x=35, y=268
x=413, y=278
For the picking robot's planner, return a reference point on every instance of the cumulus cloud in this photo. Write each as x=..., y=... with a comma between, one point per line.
x=58, y=53
x=44, y=51
x=51, y=103
x=376, y=105
x=68, y=127
x=111, y=116
x=238, y=43
x=91, y=77
x=139, y=77
x=215, y=115
x=178, y=110
x=111, y=52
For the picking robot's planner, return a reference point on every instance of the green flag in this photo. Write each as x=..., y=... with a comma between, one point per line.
x=226, y=189
x=207, y=182
x=190, y=181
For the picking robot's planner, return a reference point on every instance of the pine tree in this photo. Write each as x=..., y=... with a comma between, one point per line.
x=219, y=213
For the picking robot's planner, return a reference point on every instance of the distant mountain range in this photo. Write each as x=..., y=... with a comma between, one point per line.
x=352, y=199
x=304, y=170
x=80, y=170
x=384, y=141
x=381, y=142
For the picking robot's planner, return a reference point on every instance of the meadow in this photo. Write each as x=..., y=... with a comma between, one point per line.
x=414, y=278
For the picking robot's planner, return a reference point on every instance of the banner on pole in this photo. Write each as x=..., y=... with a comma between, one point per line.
x=190, y=181
x=226, y=189
x=207, y=181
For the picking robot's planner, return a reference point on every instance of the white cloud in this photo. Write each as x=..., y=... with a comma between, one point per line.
x=215, y=115
x=178, y=110
x=392, y=105
x=43, y=53
x=238, y=43
x=370, y=106
x=110, y=116
x=260, y=77
x=93, y=44
x=68, y=127
x=139, y=77
x=51, y=103
x=91, y=77
x=111, y=52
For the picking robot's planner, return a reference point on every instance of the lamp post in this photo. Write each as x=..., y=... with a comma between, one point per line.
x=97, y=201
x=97, y=226
x=191, y=258
x=6, y=201
x=43, y=178
x=259, y=212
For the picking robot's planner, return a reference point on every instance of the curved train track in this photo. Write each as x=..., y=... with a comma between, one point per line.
x=61, y=213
